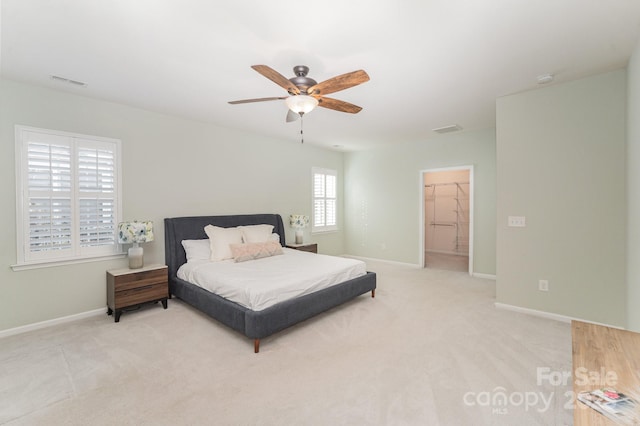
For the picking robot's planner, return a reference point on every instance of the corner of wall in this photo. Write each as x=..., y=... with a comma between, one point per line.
x=633, y=186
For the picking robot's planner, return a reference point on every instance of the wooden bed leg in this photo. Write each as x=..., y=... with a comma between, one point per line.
x=373, y=293
x=256, y=345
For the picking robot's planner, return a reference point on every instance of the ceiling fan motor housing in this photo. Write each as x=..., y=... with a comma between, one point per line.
x=301, y=81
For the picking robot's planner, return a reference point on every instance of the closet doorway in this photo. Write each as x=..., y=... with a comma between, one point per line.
x=447, y=219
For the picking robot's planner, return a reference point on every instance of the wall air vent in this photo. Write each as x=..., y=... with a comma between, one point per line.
x=67, y=80
x=448, y=129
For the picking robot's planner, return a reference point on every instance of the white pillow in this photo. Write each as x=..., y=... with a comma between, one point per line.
x=220, y=239
x=197, y=249
x=256, y=233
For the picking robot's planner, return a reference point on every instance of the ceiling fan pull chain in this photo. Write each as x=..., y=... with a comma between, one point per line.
x=301, y=127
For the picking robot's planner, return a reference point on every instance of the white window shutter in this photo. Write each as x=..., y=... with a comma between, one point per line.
x=96, y=209
x=50, y=225
x=324, y=200
x=69, y=195
x=50, y=212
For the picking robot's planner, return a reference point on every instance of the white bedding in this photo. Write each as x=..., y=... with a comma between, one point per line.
x=261, y=283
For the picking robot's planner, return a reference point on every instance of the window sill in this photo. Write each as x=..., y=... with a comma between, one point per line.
x=52, y=263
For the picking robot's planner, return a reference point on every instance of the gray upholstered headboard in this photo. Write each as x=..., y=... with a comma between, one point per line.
x=177, y=229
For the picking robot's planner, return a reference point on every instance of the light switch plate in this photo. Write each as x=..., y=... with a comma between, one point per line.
x=517, y=221
x=543, y=285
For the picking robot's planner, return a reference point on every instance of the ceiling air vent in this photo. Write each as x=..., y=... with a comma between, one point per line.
x=69, y=81
x=448, y=129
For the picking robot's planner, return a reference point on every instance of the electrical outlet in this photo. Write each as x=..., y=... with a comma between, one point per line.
x=543, y=285
x=517, y=221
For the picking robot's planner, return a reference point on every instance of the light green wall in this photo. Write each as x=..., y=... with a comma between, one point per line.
x=633, y=191
x=383, y=190
x=171, y=167
x=561, y=163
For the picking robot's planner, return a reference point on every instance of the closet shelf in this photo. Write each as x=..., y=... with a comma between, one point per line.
x=457, y=200
x=443, y=224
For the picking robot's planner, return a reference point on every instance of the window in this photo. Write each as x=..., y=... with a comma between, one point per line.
x=325, y=201
x=68, y=204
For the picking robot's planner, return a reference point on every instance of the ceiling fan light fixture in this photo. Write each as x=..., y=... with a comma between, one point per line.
x=301, y=104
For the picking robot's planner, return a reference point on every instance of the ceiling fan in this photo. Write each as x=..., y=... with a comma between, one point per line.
x=305, y=93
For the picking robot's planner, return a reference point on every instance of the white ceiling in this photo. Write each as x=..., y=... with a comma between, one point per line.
x=432, y=62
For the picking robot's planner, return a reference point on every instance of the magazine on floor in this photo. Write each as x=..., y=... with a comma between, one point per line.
x=615, y=405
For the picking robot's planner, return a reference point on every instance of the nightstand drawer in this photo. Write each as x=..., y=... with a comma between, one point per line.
x=140, y=279
x=140, y=294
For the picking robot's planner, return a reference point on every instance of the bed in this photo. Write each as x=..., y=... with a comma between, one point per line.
x=255, y=324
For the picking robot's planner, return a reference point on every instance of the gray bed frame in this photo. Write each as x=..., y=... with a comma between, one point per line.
x=253, y=324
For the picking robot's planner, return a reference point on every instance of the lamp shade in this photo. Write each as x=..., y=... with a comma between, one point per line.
x=301, y=103
x=298, y=221
x=135, y=232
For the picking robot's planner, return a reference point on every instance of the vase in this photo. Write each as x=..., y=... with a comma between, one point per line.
x=136, y=257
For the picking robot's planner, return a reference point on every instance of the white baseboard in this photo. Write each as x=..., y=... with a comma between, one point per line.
x=548, y=315
x=413, y=265
x=391, y=262
x=485, y=276
x=49, y=323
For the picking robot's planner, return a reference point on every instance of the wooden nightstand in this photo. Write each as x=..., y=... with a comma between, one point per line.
x=127, y=288
x=313, y=248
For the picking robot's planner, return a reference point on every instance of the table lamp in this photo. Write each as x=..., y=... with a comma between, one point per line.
x=299, y=222
x=135, y=233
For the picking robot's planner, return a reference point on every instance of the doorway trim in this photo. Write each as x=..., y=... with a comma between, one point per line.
x=471, y=209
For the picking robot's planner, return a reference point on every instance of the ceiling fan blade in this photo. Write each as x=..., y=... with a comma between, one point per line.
x=337, y=105
x=338, y=83
x=292, y=116
x=277, y=78
x=247, y=101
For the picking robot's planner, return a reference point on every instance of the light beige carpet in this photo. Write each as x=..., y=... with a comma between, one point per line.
x=450, y=262
x=430, y=349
